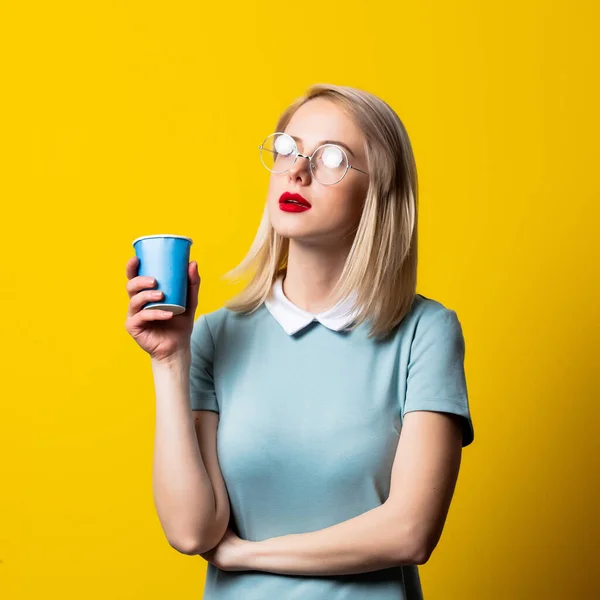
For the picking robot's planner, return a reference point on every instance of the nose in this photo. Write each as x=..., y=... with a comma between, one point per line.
x=299, y=172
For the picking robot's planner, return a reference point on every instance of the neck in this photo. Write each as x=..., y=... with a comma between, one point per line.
x=312, y=273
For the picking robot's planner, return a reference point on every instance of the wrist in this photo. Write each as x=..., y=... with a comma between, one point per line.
x=245, y=557
x=178, y=359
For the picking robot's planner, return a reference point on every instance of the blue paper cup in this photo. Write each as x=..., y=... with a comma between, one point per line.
x=166, y=258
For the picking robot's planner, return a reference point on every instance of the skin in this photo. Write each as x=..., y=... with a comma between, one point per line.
x=320, y=238
x=406, y=528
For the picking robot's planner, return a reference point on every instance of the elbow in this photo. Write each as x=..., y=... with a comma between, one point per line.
x=189, y=547
x=416, y=548
x=192, y=546
x=422, y=555
x=414, y=554
x=423, y=550
x=203, y=541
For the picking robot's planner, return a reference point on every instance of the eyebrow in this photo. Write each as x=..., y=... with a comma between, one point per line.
x=327, y=142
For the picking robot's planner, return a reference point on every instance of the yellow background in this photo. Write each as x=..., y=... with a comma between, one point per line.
x=120, y=119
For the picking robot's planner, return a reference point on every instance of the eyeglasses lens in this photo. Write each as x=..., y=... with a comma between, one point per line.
x=278, y=152
x=328, y=165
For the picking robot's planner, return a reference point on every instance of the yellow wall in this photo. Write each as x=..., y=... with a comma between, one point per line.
x=116, y=120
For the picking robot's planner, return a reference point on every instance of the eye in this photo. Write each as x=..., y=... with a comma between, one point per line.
x=284, y=145
x=332, y=157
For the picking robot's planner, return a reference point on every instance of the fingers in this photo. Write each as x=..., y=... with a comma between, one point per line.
x=193, y=274
x=132, y=266
x=144, y=316
x=139, y=283
x=194, y=286
x=138, y=300
x=136, y=283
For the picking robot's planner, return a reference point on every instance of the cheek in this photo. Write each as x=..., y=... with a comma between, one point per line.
x=275, y=189
x=347, y=204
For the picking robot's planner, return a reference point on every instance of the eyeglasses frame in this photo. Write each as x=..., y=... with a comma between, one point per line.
x=310, y=158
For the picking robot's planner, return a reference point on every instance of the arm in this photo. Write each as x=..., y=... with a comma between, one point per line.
x=403, y=530
x=189, y=493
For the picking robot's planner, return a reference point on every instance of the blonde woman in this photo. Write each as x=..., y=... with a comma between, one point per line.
x=309, y=433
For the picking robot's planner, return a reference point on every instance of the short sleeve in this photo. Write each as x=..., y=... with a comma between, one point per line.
x=436, y=374
x=202, y=385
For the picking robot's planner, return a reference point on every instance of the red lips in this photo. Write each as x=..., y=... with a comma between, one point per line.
x=294, y=200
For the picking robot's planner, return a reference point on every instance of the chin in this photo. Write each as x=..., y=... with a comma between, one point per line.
x=299, y=227
x=294, y=233
x=289, y=225
x=293, y=229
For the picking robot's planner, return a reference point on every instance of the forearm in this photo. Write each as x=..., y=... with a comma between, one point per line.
x=183, y=493
x=371, y=541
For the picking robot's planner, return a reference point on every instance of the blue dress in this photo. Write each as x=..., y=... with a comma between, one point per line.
x=308, y=429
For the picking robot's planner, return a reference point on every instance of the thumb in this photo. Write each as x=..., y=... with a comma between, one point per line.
x=194, y=285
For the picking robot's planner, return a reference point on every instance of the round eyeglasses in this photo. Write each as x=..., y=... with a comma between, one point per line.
x=328, y=163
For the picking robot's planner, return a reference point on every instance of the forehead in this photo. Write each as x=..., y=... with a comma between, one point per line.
x=321, y=119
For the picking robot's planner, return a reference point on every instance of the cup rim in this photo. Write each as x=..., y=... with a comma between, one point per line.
x=162, y=235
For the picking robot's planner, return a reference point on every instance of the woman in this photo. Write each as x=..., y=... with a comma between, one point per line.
x=338, y=392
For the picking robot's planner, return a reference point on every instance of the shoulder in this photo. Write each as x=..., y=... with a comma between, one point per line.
x=430, y=316
x=224, y=322
x=215, y=319
x=225, y=317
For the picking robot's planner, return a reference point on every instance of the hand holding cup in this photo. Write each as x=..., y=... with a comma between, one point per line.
x=160, y=326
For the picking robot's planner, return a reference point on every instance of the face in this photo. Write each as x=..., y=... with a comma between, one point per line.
x=335, y=210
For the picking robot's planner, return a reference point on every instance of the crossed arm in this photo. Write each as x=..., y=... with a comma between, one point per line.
x=405, y=529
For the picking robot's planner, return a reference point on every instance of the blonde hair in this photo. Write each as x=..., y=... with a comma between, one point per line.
x=381, y=267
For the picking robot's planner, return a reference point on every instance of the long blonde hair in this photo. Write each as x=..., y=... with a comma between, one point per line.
x=381, y=267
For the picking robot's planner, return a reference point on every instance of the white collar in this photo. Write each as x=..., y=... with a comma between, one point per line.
x=292, y=318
